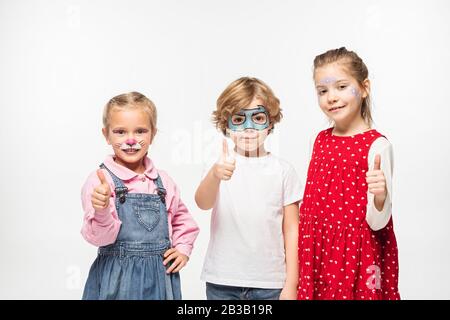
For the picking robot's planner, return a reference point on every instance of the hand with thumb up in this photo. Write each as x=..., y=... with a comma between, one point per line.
x=102, y=193
x=376, y=182
x=223, y=170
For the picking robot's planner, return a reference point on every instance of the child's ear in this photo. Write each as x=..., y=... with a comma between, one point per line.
x=105, y=134
x=153, y=135
x=270, y=128
x=366, y=88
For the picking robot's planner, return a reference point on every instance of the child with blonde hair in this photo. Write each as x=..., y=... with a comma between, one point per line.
x=252, y=252
x=133, y=212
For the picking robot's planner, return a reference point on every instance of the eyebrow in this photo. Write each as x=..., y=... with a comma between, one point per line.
x=137, y=128
x=244, y=111
x=321, y=84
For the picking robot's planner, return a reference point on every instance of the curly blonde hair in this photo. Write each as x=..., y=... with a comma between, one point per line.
x=240, y=94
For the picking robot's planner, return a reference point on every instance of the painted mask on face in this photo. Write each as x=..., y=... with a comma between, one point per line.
x=256, y=118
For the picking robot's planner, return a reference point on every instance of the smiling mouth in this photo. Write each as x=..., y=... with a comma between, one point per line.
x=335, y=108
x=130, y=151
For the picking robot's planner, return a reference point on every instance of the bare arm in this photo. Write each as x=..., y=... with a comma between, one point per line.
x=290, y=233
x=206, y=193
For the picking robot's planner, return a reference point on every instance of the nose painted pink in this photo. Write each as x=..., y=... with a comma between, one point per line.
x=131, y=142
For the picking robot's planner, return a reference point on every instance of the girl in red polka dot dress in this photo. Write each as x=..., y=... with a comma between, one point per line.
x=347, y=247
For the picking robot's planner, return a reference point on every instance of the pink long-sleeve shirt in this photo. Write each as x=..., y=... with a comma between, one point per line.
x=101, y=227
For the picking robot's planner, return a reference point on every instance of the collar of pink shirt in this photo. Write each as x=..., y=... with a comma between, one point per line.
x=126, y=174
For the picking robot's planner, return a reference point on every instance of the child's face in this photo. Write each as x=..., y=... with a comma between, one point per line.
x=340, y=96
x=250, y=140
x=130, y=135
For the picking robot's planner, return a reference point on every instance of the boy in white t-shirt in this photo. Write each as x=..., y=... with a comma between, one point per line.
x=252, y=252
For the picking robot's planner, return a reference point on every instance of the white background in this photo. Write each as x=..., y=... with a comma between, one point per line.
x=60, y=61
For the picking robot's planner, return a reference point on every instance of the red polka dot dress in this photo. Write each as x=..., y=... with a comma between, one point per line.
x=340, y=256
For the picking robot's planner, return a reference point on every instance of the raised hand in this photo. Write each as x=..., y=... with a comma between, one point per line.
x=223, y=170
x=102, y=193
x=376, y=183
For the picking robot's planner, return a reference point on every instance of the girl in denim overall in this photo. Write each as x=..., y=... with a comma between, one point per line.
x=145, y=233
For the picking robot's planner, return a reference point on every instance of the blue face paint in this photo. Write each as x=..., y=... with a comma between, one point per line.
x=355, y=92
x=256, y=118
x=328, y=80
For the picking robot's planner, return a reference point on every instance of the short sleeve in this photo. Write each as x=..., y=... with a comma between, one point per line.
x=292, y=186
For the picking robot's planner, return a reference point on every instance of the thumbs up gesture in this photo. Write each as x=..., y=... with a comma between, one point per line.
x=102, y=193
x=376, y=181
x=223, y=170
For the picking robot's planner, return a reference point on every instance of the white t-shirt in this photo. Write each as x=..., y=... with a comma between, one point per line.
x=246, y=247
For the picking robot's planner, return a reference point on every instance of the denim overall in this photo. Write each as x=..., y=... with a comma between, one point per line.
x=132, y=267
